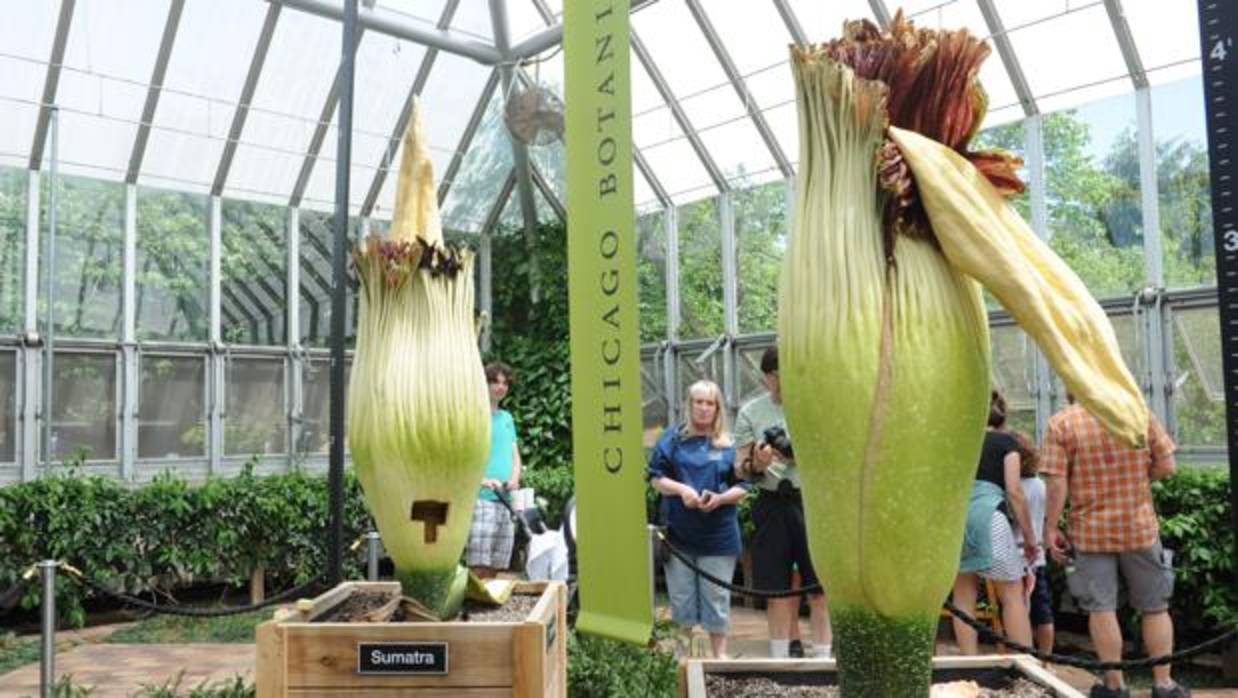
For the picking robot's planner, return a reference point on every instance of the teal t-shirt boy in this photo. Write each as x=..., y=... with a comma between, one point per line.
x=502, y=446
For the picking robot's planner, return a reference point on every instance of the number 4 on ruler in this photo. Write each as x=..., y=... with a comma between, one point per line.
x=1221, y=48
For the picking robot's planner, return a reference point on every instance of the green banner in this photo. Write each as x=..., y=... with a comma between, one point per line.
x=613, y=549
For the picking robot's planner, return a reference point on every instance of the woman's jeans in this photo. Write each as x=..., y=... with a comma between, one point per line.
x=694, y=599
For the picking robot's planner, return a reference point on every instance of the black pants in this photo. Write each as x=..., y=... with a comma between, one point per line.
x=780, y=542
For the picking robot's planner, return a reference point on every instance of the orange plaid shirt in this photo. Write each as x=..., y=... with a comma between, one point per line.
x=1108, y=483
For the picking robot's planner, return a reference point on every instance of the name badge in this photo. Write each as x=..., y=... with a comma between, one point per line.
x=402, y=658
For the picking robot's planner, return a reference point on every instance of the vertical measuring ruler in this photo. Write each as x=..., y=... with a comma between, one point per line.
x=1216, y=41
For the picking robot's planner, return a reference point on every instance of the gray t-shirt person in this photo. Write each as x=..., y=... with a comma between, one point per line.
x=754, y=418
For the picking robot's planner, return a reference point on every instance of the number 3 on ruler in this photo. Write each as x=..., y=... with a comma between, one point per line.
x=1231, y=241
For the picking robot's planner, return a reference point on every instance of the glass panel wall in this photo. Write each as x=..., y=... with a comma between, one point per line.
x=1182, y=177
x=8, y=407
x=13, y=204
x=1198, y=380
x=256, y=421
x=655, y=412
x=84, y=406
x=171, y=407
x=316, y=405
x=700, y=270
x=315, y=291
x=173, y=266
x=651, y=275
x=254, y=262
x=761, y=241
x=1092, y=179
x=1014, y=374
x=89, y=256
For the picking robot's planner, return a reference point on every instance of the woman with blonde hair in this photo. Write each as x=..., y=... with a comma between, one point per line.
x=693, y=466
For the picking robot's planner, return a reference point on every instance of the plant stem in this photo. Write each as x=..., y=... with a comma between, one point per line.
x=880, y=656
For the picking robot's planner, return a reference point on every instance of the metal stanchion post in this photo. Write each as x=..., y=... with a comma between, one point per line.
x=372, y=545
x=47, y=653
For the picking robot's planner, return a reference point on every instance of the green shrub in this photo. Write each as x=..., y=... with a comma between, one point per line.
x=157, y=539
x=602, y=668
x=1195, y=514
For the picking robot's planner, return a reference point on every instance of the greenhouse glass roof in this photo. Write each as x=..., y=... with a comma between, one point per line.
x=238, y=98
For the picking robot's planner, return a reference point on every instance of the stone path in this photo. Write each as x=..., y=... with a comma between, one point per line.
x=118, y=671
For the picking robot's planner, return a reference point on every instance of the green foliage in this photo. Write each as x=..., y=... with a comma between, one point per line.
x=237, y=687
x=17, y=652
x=603, y=668
x=160, y=538
x=1195, y=515
x=532, y=337
x=237, y=628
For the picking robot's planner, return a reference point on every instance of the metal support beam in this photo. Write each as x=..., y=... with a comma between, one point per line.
x=553, y=35
x=672, y=274
x=30, y=360
x=730, y=298
x=339, y=285
x=54, y=65
x=247, y=96
x=671, y=366
x=520, y=151
x=1154, y=314
x=1033, y=133
x=215, y=397
x=1010, y=60
x=793, y=23
x=652, y=179
x=548, y=193
x=320, y=131
x=153, y=90
x=466, y=138
x=292, y=327
x=485, y=261
x=880, y=13
x=130, y=378
x=31, y=280
x=406, y=113
x=741, y=88
x=1126, y=42
x=659, y=82
x=402, y=28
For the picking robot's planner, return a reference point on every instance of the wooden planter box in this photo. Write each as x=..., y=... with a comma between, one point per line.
x=297, y=657
x=821, y=672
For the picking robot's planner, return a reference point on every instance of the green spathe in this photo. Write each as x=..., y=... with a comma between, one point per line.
x=885, y=374
x=419, y=408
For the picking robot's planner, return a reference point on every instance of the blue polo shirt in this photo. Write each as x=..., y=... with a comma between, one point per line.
x=694, y=461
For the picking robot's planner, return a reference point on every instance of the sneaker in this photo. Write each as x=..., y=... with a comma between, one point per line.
x=796, y=649
x=1100, y=690
x=1176, y=690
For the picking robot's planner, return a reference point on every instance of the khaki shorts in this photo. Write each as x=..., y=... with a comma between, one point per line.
x=1149, y=576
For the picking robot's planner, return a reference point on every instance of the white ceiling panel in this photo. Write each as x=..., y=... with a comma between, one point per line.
x=1051, y=72
x=103, y=84
x=823, y=21
x=300, y=66
x=201, y=89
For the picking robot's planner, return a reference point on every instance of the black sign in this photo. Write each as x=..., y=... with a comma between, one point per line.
x=402, y=658
x=1220, y=77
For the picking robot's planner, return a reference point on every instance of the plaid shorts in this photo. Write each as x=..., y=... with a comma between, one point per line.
x=491, y=536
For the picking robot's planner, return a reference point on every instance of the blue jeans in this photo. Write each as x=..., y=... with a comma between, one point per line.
x=695, y=599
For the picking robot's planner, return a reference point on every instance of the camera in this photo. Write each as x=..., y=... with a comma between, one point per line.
x=777, y=439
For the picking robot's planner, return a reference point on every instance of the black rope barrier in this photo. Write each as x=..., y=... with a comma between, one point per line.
x=990, y=635
x=735, y=588
x=187, y=610
x=987, y=633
